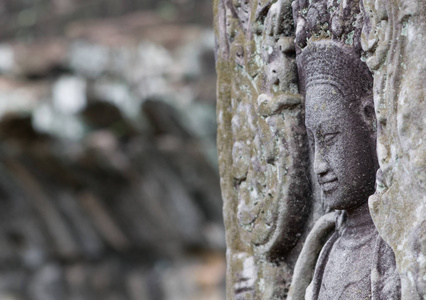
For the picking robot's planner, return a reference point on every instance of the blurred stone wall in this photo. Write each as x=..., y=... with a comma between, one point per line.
x=108, y=175
x=26, y=19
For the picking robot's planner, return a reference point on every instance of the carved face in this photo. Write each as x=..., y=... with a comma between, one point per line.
x=279, y=65
x=343, y=159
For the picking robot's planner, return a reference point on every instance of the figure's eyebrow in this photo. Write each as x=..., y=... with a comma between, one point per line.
x=327, y=127
x=330, y=124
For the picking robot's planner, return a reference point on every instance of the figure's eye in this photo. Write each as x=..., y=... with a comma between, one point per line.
x=329, y=137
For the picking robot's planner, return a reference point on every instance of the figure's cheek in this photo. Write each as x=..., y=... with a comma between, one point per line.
x=334, y=155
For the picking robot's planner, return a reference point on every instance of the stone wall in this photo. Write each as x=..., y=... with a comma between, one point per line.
x=29, y=19
x=392, y=38
x=109, y=185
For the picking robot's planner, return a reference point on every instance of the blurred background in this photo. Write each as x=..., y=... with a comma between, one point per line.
x=109, y=186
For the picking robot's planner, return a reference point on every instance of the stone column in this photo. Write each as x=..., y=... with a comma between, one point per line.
x=394, y=39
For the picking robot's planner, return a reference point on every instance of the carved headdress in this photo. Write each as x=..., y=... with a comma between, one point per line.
x=331, y=62
x=328, y=46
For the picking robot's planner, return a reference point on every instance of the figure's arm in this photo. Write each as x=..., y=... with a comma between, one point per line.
x=305, y=265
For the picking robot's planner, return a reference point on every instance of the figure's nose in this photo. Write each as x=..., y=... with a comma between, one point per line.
x=321, y=166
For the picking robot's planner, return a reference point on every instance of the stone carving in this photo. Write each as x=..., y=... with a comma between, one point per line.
x=354, y=67
x=270, y=178
x=265, y=163
x=340, y=123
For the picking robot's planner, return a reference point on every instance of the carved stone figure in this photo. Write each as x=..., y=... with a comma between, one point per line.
x=340, y=124
x=341, y=127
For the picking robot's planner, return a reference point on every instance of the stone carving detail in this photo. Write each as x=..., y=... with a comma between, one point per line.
x=354, y=75
x=264, y=162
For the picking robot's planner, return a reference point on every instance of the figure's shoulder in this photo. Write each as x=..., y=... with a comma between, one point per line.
x=324, y=225
x=323, y=234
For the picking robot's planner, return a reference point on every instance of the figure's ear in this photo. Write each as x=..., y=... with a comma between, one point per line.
x=369, y=115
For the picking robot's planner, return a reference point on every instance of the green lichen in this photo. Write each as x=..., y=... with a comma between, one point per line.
x=350, y=38
x=404, y=30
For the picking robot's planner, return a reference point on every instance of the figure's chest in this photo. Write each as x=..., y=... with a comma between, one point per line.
x=347, y=271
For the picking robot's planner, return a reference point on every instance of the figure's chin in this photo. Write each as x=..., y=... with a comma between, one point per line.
x=332, y=199
x=337, y=202
x=331, y=205
x=343, y=203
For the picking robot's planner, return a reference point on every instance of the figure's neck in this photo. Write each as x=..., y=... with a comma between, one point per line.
x=359, y=216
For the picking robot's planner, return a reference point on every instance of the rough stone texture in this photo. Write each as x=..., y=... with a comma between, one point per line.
x=263, y=153
x=258, y=90
x=393, y=36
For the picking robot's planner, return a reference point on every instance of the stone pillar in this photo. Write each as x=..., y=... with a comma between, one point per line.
x=272, y=199
x=394, y=38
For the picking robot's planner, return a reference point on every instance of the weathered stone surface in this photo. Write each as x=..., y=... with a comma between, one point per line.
x=263, y=152
x=393, y=36
x=348, y=53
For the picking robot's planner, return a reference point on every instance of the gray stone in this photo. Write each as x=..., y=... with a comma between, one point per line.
x=340, y=122
x=393, y=36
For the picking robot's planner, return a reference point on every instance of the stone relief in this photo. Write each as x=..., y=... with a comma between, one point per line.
x=270, y=178
x=267, y=163
x=340, y=124
x=303, y=213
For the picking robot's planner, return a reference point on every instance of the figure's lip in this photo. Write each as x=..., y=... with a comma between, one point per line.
x=328, y=185
x=327, y=180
